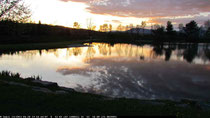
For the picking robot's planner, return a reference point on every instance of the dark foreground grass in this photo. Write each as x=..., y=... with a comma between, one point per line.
x=20, y=100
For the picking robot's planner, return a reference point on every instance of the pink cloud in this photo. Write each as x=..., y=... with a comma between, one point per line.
x=147, y=8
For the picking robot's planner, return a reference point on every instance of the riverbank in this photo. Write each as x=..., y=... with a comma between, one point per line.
x=31, y=96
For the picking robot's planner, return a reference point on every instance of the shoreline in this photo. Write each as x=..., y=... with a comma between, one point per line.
x=99, y=104
x=78, y=43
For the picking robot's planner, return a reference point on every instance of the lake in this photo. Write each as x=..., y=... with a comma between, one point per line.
x=167, y=71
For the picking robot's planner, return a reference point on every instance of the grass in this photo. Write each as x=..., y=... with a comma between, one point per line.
x=20, y=100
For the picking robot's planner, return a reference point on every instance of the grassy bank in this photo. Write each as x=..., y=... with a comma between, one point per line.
x=19, y=98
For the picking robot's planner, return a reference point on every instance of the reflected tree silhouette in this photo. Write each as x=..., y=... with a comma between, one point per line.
x=158, y=49
x=90, y=53
x=141, y=52
x=103, y=49
x=168, y=53
x=77, y=51
x=191, y=52
x=207, y=53
x=40, y=52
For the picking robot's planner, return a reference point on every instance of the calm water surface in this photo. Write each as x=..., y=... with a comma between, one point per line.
x=121, y=70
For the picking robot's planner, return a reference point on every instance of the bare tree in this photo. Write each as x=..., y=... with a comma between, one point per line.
x=143, y=25
x=14, y=10
x=90, y=24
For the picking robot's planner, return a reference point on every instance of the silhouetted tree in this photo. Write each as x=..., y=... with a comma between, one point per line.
x=158, y=49
x=156, y=26
x=39, y=28
x=192, y=30
x=14, y=10
x=168, y=53
x=104, y=28
x=119, y=27
x=101, y=28
x=191, y=52
x=143, y=25
x=159, y=29
x=169, y=28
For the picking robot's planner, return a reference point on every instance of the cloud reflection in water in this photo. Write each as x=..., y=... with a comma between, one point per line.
x=122, y=70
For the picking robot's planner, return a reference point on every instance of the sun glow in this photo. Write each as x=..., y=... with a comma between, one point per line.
x=56, y=12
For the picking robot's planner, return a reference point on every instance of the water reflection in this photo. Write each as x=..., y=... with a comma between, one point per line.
x=166, y=71
x=188, y=52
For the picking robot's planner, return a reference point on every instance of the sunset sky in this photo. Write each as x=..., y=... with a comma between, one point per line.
x=65, y=12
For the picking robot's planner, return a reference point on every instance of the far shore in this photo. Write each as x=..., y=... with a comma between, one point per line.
x=79, y=43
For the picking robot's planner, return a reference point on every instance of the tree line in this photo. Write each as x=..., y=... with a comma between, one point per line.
x=190, y=32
